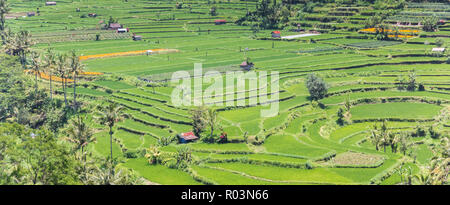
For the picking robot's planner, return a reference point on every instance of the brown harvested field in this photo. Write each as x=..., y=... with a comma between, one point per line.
x=356, y=158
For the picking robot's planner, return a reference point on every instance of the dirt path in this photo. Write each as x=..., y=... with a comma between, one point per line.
x=299, y=36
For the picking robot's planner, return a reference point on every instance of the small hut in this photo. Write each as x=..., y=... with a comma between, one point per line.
x=246, y=65
x=30, y=14
x=93, y=15
x=114, y=26
x=276, y=34
x=220, y=21
x=122, y=30
x=187, y=137
x=50, y=3
x=137, y=38
x=438, y=50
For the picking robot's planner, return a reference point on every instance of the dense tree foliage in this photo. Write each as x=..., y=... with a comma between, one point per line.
x=20, y=102
x=316, y=86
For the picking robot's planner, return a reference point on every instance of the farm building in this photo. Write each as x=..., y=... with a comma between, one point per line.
x=276, y=34
x=438, y=50
x=122, y=30
x=220, y=21
x=30, y=14
x=50, y=3
x=92, y=15
x=114, y=26
x=246, y=65
x=137, y=38
x=187, y=137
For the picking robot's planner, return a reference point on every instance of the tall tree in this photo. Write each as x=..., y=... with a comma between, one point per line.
x=36, y=66
x=50, y=68
x=212, y=120
x=109, y=115
x=18, y=44
x=198, y=116
x=62, y=69
x=375, y=137
x=4, y=9
x=76, y=68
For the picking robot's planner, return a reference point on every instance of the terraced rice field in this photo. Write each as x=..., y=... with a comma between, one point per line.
x=302, y=140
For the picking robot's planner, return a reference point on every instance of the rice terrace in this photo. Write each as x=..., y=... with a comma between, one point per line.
x=225, y=92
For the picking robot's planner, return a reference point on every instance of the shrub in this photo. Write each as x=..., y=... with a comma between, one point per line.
x=433, y=133
x=412, y=82
x=164, y=141
x=131, y=154
x=340, y=115
x=430, y=23
x=420, y=131
x=308, y=165
x=439, y=42
x=421, y=87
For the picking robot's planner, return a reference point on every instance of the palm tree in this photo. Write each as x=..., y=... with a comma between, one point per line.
x=385, y=135
x=36, y=66
x=17, y=44
x=422, y=178
x=23, y=44
x=50, y=64
x=62, y=72
x=212, y=120
x=404, y=142
x=4, y=9
x=105, y=174
x=80, y=134
x=110, y=115
x=375, y=137
x=75, y=68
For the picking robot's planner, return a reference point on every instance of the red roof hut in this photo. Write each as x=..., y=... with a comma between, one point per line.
x=276, y=34
x=187, y=137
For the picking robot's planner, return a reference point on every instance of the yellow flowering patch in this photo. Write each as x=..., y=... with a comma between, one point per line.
x=400, y=36
x=128, y=53
x=373, y=30
x=91, y=73
x=58, y=79
x=47, y=77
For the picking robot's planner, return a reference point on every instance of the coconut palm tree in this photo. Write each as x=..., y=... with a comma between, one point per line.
x=404, y=142
x=109, y=115
x=22, y=44
x=422, y=178
x=62, y=70
x=36, y=66
x=106, y=174
x=4, y=9
x=76, y=68
x=50, y=67
x=80, y=134
x=375, y=137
